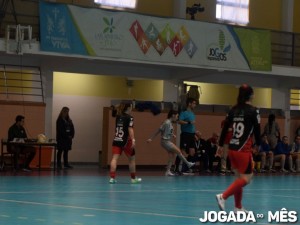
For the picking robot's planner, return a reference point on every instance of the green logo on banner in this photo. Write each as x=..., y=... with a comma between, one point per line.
x=109, y=35
x=110, y=27
x=219, y=51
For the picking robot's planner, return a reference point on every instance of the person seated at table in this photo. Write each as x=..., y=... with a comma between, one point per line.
x=17, y=130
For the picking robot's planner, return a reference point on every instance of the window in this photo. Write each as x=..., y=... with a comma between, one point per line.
x=117, y=3
x=295, y=99
x=234, y=11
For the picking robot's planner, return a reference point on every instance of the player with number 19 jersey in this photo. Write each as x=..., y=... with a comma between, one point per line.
x=123, y=122
x=245, y=122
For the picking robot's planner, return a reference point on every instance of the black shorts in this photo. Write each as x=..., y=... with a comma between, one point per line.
x=186, y=140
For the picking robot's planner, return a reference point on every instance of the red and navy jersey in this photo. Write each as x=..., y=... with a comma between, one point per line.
x=123, y=122
x=245, y=122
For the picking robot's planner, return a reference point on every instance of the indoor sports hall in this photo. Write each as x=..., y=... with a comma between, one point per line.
x=91, y=55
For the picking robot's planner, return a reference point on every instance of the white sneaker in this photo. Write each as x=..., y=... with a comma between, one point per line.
x=240, y=210
x=188, y=173
x=221, y=202
x=112, y=181
x=190, y=164
x=292, y=170
x=272, y=170
x=283, y=171
x=169, y=173
x=136, y=180
x=262, y=171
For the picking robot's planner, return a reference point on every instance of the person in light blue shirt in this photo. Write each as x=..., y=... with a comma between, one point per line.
x=188, y=129
x=187, y=121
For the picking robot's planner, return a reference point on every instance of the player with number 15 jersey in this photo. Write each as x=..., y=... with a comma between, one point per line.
x=123, y=122
x=123, y=142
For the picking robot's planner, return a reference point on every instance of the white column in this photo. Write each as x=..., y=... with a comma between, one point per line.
x=47, y=77
x=287, y=11
x=171, y=94
x=170, y=91
x=279, y=97
x=281, y=100
x=179, y=9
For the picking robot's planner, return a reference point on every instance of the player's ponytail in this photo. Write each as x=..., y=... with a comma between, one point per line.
x=123, y=107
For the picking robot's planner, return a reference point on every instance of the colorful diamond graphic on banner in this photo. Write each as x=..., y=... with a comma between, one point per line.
x=176, y=46
x=144, y=43
x=160, y=45
x=183, y=35
x=160, y=41
x=190, y=48
x=167, y=34
x=136, y=30
x=152, y=33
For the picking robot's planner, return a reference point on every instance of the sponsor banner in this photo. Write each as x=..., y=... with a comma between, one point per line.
x=58, y=31
x=101, y=33
x=256, y=45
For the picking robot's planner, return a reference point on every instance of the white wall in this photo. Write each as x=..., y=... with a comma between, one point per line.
x=86, y=113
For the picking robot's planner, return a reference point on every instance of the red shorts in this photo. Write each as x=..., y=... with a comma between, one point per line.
x=241, y=161
x=127, y=149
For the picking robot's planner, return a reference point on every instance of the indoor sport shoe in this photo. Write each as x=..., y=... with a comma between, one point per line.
x=136, y=180
x=240, y=210
x=26, y=169
x=68, y=166
x=222, y=173
x=284, y=171
x=221, y=202
x=169, y=173
x=272, y=170
x=112, y=181
x=262, y=171
x=191, y=164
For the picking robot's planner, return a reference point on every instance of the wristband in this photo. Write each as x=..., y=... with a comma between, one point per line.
x=189, y=122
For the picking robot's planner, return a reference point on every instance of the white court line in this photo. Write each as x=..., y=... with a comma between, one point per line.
x=22, y=218
x=98, y=209
x=137, y=191
x=272, y=195
x=108, y=210
x=108, y=191
x=6, y=216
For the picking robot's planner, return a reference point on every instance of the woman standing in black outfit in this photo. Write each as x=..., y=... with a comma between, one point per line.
x=64, y=135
